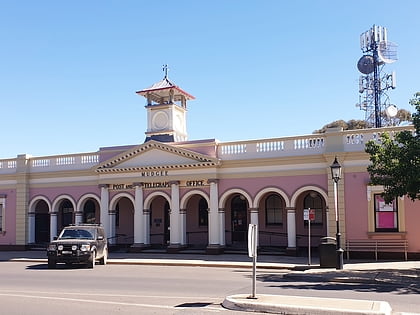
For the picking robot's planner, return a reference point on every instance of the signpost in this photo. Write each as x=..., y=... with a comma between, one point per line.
x=252, y=252
x=309, y=215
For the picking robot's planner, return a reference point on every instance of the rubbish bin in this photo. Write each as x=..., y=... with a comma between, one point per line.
x=328, y=252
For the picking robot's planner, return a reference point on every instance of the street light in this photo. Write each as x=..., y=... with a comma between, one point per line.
x=336, y=176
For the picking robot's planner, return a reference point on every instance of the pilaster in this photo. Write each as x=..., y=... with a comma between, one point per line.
x=22, y=198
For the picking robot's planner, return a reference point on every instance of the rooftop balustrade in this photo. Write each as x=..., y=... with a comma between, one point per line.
x=336, y=141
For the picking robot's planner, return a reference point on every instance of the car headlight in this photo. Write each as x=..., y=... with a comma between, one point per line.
x=85, y=247
x=52, y=247
x=74, y=247
x=60, y=247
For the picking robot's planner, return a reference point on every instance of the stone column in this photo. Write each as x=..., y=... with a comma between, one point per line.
x=222, y=224
x=254, y=220
x=214, y=245
x=78, y=217
x=175, y=232
x=104, y=209
x=53, y=225
x=138, y=216
x=146, y=226
x=31, y=227
x=291, y=229
x=112, y=216
x=183, y=226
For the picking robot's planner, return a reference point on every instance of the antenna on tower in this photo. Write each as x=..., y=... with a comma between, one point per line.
x=373, y=83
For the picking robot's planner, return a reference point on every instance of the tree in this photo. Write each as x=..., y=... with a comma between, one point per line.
x=402, y=116
x=396, y=160
x=350, y=125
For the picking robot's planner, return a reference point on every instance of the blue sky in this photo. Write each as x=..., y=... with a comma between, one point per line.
x=258, y=69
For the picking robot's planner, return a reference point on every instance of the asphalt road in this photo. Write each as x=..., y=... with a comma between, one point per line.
x=31, y=288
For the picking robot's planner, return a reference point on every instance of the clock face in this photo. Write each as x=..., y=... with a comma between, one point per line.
x=160, y=120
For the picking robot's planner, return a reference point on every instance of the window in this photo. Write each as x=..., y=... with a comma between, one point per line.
x=203, y=217
x=89, y=212
x=386, y=215
x=314, y=201
x=273, y=210
x=67, y=213
x=117, y=215
x=2, y=212
x=1, y=218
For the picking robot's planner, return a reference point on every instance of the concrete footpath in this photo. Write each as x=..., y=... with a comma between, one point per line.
x=405, y=274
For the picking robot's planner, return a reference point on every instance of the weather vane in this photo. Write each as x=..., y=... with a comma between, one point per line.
x=165, y=69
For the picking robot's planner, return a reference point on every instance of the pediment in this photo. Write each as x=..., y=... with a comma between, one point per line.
x=154, y=155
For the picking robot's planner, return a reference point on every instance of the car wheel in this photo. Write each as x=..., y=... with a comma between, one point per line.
x=104, y=258
x=92, y=260
x=51, y=263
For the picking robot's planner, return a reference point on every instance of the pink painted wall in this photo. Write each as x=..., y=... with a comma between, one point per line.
x=412, y=215
x=356, y=204
x=51, y=193
x=8, y=237
x=289, y=184
x=109, y=152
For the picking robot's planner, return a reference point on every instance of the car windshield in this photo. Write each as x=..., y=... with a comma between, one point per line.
x=76, y=233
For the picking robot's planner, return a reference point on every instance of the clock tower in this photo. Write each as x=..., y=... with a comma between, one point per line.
x=166, y=111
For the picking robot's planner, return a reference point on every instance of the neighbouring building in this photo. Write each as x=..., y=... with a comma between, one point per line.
x=172, y=193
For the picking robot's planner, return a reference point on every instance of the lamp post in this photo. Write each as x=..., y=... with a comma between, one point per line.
x=336, y=176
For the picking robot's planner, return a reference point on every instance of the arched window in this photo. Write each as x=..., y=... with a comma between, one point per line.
x=203, y=217
x=66, y=209
x=314, y=201
x=273, y=210
x=89, y=212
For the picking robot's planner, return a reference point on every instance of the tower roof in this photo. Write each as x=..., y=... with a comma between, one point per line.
x=160, y=90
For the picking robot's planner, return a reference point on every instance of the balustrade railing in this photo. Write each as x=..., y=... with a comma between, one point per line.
x=352, y=141
x=64, y=162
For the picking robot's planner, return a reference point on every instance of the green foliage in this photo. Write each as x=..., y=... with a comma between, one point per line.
x=349, y=125
x=403, y=116
x=396, y=161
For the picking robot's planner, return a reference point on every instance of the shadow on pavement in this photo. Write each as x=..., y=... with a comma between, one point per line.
x=58, y=266
x=385, y=280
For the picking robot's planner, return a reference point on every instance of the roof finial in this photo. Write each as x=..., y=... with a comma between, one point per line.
x=165, y=69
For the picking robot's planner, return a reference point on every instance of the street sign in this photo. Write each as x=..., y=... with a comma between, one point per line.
x=311, y=214
x=252, y=240
x=252, y=252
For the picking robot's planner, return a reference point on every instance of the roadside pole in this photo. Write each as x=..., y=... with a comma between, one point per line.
x=309, y=215
x=252, y=252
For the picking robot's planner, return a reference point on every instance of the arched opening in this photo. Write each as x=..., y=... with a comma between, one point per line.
x=124, y=222
x=272, y=218
x=314, y=201
x=159, y=222
x=65, y=215
x=237, y=219
x=197, y=222
x=42, y=222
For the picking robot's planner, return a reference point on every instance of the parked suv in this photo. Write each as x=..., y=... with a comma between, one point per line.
x=81, y=243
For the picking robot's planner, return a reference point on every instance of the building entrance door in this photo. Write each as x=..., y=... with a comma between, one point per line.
x=42, y=228
x=167, y=224
x=239, y=220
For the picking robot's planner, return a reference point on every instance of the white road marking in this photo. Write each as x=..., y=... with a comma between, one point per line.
x=36, y=295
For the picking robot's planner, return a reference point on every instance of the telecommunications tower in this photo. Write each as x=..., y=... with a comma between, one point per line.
x=374, y=83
